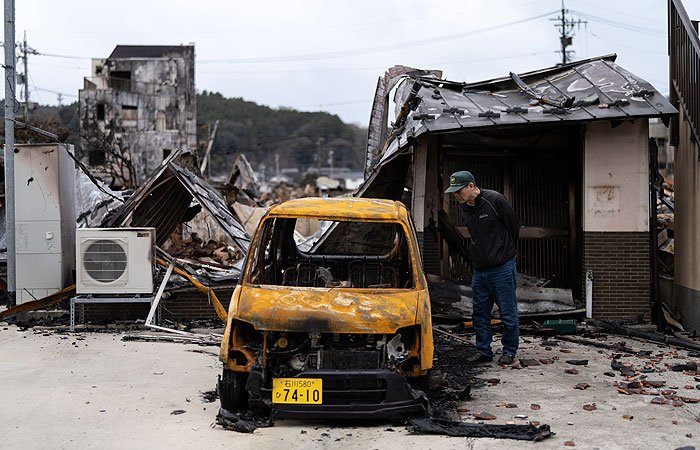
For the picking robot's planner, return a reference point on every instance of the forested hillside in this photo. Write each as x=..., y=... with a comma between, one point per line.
x=303, y=140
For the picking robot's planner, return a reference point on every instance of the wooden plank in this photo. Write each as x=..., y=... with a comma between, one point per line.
x=49, y=300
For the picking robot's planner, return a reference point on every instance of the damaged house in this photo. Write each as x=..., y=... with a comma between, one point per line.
x=137, y=106
x=567, y=145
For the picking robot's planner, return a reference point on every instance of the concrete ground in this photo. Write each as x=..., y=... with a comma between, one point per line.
x=93, y=390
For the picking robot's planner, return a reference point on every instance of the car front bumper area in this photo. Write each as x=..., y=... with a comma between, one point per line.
x=359, y=394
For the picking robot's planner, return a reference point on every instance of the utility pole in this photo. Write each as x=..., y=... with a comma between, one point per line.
x=330, y=161
x=9, y=149
x=25, y=50
x=25, y=76
x=319, y=151
x=566, y=36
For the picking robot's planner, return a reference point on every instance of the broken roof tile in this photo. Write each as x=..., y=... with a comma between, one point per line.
x=164, y=199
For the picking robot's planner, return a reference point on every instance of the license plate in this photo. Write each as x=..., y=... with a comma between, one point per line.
x=304, y=391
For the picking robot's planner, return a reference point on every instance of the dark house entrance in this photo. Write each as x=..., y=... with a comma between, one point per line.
x=539, y=173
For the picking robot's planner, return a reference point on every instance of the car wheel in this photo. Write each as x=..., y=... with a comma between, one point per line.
x=232, y=393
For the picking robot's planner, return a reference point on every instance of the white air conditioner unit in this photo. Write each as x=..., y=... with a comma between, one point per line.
x=115, y=260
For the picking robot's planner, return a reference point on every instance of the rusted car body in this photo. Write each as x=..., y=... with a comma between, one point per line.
x=323, y=329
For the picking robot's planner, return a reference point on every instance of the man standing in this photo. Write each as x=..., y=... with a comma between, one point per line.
x=493, y=229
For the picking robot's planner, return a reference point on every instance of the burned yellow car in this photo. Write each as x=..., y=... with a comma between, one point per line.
x=331, y=316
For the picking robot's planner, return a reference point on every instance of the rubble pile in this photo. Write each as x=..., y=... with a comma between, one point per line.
x=665, y=227
x=638, y=381
x=189, y=246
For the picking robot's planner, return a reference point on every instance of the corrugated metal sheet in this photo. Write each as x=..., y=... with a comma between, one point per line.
x=163, y=201
x=214, y=203
x=592, y=90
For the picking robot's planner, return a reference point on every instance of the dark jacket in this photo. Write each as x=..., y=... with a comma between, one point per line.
x=494, y=229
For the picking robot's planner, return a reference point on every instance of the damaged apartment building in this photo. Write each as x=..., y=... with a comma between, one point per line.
x=138, y=105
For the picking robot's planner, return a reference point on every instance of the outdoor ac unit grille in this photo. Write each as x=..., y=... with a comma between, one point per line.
x=105, y=260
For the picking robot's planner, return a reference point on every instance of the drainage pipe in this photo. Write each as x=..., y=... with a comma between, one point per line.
x=589, y=294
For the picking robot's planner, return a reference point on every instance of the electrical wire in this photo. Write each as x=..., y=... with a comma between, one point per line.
x=53, y=55
x=625, y=46
x=620, y=25
x=375, y=68
x=369, y=50
x=601, y=8
x=342, y=53
x=54, y=92
x=31, y=78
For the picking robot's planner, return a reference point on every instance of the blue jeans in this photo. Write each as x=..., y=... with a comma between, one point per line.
x=497, y=284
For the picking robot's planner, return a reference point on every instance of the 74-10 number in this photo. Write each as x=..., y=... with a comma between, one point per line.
x=295, y=396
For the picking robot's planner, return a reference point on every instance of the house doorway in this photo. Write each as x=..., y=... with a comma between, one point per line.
x=540, y=174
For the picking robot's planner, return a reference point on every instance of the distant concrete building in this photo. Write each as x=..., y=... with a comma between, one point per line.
x=137, y=106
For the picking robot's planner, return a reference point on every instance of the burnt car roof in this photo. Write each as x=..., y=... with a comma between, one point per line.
x=344, y=208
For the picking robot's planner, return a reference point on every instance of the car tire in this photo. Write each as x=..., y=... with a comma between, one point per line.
x=232, y=393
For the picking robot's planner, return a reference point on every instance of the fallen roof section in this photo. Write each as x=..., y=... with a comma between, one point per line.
x=163, y=202
x=243, y=177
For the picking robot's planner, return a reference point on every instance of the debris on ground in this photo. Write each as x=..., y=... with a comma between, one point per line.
x=210, y=396
x=577, y=362
x=201, y=340
x=244, y=422
x=463, y=429
x=452, y=382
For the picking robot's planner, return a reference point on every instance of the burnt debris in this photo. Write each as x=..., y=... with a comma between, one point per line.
x=474, y=430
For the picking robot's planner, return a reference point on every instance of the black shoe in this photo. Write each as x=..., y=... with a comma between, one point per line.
x=479, y=357
x=506, y=359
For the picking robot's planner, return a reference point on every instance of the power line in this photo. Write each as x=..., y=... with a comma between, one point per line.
x=621, y=25
x=624, y=13
x=368, y=50
x=625, y=46
x=35, y=90
x=55, y=92
x=25, y=51
x=375, y=68
x=53, y=55
x=342, y=53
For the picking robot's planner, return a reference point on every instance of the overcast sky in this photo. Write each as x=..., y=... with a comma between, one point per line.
x=326, y=55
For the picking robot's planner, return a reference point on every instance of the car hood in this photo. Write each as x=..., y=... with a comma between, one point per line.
x=327, y=310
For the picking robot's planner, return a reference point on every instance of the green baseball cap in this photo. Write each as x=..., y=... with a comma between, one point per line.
x=458, y=180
